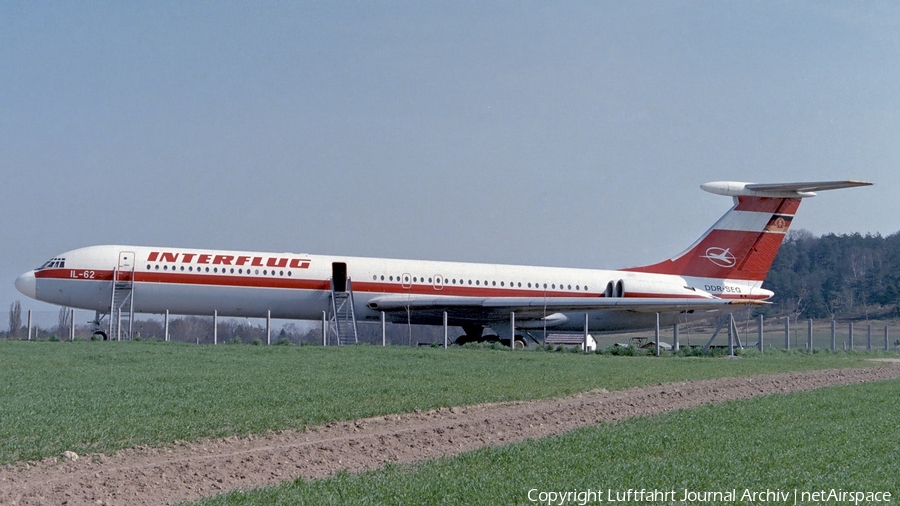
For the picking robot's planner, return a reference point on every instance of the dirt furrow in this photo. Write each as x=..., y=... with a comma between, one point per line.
x=187, y=471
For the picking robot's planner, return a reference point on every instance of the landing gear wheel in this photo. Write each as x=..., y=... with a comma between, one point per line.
x=519, y=343
x=99, y=336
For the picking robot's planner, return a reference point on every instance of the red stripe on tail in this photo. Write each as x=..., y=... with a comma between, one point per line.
x=741, y=245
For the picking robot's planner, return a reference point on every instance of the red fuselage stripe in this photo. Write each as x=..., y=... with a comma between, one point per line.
x=281, y=282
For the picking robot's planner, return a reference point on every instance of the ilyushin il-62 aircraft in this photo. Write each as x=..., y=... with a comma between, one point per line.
x=720, y=273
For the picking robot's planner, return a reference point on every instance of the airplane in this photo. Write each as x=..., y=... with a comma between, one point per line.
x=720, y=273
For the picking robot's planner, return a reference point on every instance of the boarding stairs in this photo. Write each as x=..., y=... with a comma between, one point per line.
x=343, y=319
x=121, y=308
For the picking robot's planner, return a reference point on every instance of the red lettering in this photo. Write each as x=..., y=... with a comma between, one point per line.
x=169, y=257
x=241, y=260
x=187, y=258
x=299, y=263
x=223, y=259
x=203, y=259
x=153, y=255
x=257, y=262
x=276, y=262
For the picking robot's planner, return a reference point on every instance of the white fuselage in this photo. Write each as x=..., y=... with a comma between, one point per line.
x=298, y=286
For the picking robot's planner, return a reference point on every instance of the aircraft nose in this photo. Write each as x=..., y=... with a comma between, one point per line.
x=27, y=285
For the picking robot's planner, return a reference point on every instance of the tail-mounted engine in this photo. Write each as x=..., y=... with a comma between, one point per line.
x=653, y=288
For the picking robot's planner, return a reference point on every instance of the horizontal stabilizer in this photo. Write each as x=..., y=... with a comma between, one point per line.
x=777, y=190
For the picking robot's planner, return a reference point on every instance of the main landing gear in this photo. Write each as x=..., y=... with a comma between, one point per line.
x=475, y=334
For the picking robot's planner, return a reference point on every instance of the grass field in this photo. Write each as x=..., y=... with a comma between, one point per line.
x=101, y=396
x=840, y=438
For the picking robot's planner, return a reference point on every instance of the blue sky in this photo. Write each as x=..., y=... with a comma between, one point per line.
x=551, y=133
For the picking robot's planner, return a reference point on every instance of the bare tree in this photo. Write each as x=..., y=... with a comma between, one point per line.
x=65, y=321
x=835, y=303
x=15, y=318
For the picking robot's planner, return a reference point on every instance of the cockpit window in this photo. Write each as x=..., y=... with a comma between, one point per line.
x=53, y=263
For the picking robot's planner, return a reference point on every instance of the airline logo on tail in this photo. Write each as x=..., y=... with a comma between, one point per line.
x=720, y=257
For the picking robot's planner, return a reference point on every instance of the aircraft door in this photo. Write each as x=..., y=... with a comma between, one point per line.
x=125, y=267
x=339, y=276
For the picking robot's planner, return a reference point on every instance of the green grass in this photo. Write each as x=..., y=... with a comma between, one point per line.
x=101, y=396
x=835, y=438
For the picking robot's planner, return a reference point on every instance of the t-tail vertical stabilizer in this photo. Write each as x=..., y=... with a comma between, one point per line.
x=742, y=245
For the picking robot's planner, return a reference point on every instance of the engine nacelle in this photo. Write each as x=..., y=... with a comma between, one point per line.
x=653, y=288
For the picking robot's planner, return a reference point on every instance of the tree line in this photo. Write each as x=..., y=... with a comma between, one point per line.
x=832, y=276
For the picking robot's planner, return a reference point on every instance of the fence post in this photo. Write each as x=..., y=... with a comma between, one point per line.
x=869, y=337
x=383, y=329
x=71, y=325
x=730, y=335
x=676, y=346
x=324, y=330
x=833, y=332
x=851, y=336
x=512, y=336
x=760, y=336
x=166, y=327
x=787, y=332
x=809, y=345
x=215, y=326
x=445, y=329
x=29, y=325
x=655, y=352
x=885, y=338
x=584, y=339
x=268, y=327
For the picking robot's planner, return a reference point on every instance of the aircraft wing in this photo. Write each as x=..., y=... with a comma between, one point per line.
x=498, y=308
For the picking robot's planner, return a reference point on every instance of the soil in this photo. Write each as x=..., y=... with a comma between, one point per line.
x=186, y=471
